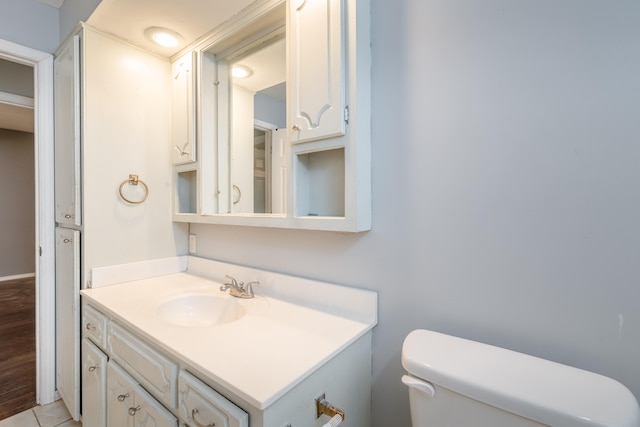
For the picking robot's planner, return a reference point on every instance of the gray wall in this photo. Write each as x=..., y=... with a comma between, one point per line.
x=29, y=23
x=17, y=203
x=506, y=186
x=73, y=11
x=16, y=78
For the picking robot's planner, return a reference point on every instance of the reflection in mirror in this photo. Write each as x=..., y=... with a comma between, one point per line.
x=248, y=72
x=258, y=98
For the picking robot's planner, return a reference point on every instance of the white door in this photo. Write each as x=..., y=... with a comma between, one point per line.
x=68, y=318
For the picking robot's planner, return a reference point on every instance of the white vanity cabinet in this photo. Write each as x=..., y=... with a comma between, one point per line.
x=127, y=382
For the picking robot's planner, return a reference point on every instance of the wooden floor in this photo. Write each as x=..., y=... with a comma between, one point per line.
x=17, y=346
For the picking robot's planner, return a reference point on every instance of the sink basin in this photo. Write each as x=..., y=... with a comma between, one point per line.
x=200, y=310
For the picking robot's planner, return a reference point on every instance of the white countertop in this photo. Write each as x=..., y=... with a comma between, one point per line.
x=259, y=357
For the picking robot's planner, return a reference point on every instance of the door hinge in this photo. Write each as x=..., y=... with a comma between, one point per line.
x=346, y=114
x=40, y=250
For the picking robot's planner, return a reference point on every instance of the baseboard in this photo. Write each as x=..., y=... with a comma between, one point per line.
x=17, y=276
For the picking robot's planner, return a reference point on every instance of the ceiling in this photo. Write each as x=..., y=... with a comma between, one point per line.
x=190, y=18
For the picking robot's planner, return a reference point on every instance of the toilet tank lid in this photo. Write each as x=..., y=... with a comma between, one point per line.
x=534, y=388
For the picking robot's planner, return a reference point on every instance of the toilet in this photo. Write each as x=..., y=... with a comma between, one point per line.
x=454, y=382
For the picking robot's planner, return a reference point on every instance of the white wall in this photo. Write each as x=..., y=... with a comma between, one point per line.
x=29, y=23
x=17, y=204
x=506, y=186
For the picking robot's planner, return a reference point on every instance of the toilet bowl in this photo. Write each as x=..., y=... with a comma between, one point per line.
x=454, y=382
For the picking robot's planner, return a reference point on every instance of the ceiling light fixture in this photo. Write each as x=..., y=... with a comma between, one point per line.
x=241, y=71
x=163, y=36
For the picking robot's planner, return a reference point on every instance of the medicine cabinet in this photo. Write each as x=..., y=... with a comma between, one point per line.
x=278, y=99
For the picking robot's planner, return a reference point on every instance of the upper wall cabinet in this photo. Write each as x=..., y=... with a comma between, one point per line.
x=283, y=119
x=317, y=69
x=184, y=121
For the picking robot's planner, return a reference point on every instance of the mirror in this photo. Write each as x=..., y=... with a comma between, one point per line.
x=244, y=117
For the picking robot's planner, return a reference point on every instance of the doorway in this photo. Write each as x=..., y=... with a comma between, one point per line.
x=44, y=253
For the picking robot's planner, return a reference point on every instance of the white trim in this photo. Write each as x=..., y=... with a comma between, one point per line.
x=17, y=100
x=42, y=64
x=17, y=276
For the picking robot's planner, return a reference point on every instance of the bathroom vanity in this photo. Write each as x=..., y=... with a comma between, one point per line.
x=177, y=350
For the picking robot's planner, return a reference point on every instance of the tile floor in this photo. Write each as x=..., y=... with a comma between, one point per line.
x=53, y=415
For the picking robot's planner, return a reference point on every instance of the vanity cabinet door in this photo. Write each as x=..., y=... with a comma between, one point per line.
x=183, y=148
x=316, y=84
x=149, y=413
x=120, y=396
x=199, y=405
x=94, y=385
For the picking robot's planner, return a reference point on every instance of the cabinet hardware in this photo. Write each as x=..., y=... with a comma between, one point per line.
x=67, y=241
x=90, y=327
x=123, y=397
x=93, y=368
x=132, y=410
x=295, y=128
x=194, y=412
x=346, y=114
x=68, y=216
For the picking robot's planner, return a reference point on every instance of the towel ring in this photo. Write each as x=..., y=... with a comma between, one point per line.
x=133, y=180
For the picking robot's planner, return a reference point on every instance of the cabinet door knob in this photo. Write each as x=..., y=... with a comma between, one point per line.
x=90, y=327
x=194, y=412
x=123, y=397
x=132, y=410
x=68, y=216
x=295, y=128
x=93, y=368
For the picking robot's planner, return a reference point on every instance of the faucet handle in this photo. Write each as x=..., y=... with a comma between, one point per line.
x=234, y=282
x=249, y=287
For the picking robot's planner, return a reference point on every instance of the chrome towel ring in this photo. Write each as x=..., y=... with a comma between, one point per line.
x=134, y=180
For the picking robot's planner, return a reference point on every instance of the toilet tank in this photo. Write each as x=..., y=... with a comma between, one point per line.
x=454, y=381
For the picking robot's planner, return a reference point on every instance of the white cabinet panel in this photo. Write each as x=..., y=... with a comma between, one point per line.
x=201, y=405
x=94, y=385
x=120, y=393
x=129, y=405
x=149, y=413
x=67, y=318
x=183, y=148
x=67, y=133
x=157, y=373
x=317, y=76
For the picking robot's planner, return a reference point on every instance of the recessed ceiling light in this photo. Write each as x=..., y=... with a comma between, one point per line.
x=241, y=71
x=163, y=36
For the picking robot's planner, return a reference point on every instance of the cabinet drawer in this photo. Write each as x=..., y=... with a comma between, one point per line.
x=154, y=371
x=94, y=326
x=200, y=405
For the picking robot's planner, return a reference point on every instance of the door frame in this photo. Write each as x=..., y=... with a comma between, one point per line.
x=44, y=252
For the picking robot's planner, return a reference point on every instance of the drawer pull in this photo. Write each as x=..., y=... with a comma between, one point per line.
x=90, y=327
x=123, y=397
x=194, y=412
x=132, y=410
x=93, y=368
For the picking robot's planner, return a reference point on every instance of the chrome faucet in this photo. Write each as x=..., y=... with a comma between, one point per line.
x=239, y=290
